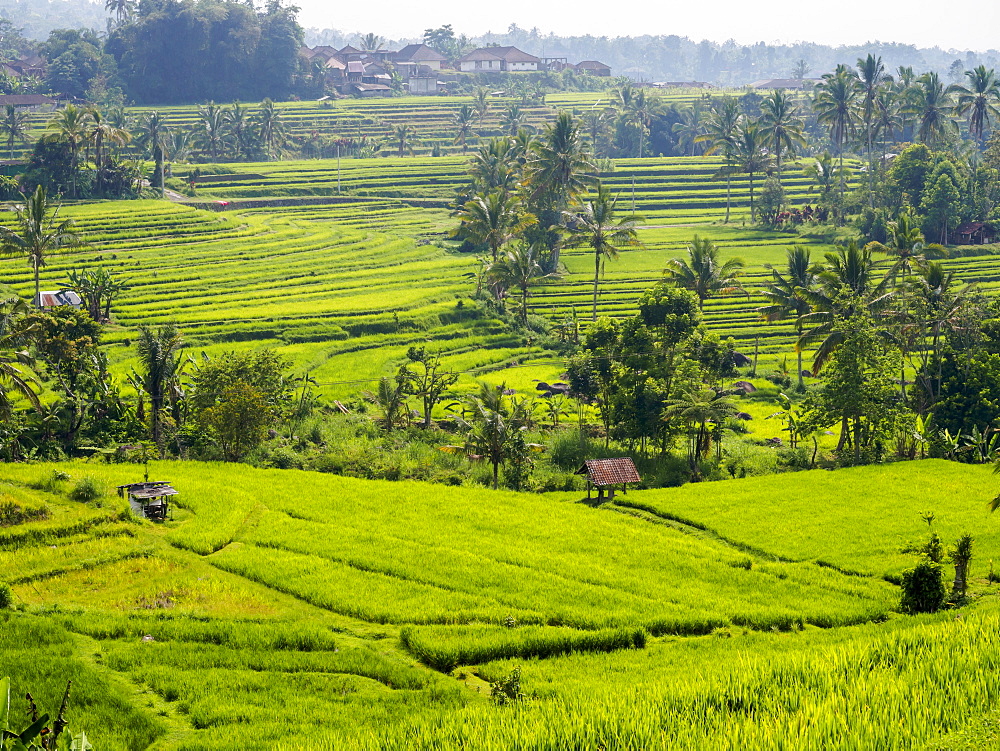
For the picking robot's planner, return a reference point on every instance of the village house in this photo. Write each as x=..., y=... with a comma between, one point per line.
x=31, y=102
x=593, y=68
x=487, y=59
x=420, y=55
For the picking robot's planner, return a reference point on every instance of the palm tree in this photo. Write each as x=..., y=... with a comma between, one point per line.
x=15, y=125
x=697, y=408
x=463, y=121
x=103, y=133
x=513, y=119
x=481, y=104
x=888, y=117
x=782, y=125
x=154, y=139
x=371, y=42
x=493, y=166
x=519, y=268
x=123, y=9
x=210, y=128
x=688, y=129
x=269, y=124
x=38, y=233
x=784, y=298
x=750, y=156
x=871, y=78
x=70, y=127
x=404, y=136
x=493, y=220
x=14, y=358
x=906, y=246
x=596, y=121
x=932, y=107
x=979, y=101
x=390, y=398
x=157, y=366
x=495, y=430
x=561, y=164
x=703, y=273
x=237, y=128
x=846, y=283
x=836, y=96
x=822, y=174
x=597, y=226
x=720, y=128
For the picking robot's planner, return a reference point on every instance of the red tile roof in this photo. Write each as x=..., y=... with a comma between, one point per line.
x=609, y=471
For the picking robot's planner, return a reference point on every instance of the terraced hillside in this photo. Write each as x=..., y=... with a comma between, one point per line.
x=290, y=609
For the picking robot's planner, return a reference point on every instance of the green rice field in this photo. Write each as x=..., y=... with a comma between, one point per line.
x=290, y=609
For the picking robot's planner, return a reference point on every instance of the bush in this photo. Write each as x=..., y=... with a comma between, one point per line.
x=507, y=690
x=923, y=588
x=6, y=596
x=86, y=490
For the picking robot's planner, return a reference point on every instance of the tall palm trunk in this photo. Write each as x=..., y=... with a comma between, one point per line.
x=597, y=279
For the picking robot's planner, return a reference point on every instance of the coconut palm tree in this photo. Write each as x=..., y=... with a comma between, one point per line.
x=932, y=107
x=688, y=129
x=481, y=104
x=69, y=127
x=906, y=246
x=847, y=282
x=561, y=164
x=784, y=296
x=782, y=126
x=836, y=97
x=15, y=361
x=463, y=122
x=210, y=127
x=703, y=272
x=493, y=220
x=236, y=127
x=871, y=79
x=104, y=135
x=495, y=429
x=123, y=9
x=157, y=365
x=979, y=101
x=404, y=136
x=598, y=227
x=750, y=155
x=154, y=139
x=15, y=126
x=269, y=125
x=37, y=233
x=699, y=408
x=596, y=121
x=513, y=119
x=371, y=42
x=518, y=267
x=720, y=128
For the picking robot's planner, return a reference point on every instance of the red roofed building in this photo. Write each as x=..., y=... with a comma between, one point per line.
x=607, y=473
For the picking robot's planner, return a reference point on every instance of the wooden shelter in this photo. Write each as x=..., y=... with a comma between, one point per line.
x=974, y=233
x=609, y=473
x=149, y=498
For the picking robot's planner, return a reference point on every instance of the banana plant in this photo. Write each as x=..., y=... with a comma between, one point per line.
x=38, y=735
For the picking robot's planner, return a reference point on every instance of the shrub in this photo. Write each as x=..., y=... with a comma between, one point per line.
x=86, y=490
x=507, y=690
x=6, y=596
x=923, y=588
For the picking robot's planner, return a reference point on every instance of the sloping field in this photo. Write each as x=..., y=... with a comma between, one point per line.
x=316, y=611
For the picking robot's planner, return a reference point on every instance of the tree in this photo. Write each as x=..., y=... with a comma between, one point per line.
x=70, y=127
x=210, y=128
x=236, y=127
x=16, y=378
x=697, y=408
x=123, y=9
x=750, y=155
x=371, y=42
x=720, y=128
x=37, y=233
x=905, y=246
x=932, y=108
x=463, y=123
x=493, y=220
x=941, y=202
x=782, y=125
x=495, y=430
x=425, y=379
x=15, y=125
x=104, y=135
x=979, y=101
x=513, y=119
x=772, y=201
x=871, y=78
x=784, y=295
x=269, y=124
x=157, y=350
x=835, y=100
x=703, y=272
x=860, y=389
x=390, y=398
x=154, y=139
x=404, y=136
x=560, y=167
x=598, y=227
x=519, y=268
x=239, y=420
x=98, y=289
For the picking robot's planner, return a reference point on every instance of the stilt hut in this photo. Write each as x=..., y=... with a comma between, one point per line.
x=608, y=474
x=148, y=498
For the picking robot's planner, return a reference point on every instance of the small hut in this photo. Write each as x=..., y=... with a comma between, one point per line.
x=609, y=473
x=148, y=498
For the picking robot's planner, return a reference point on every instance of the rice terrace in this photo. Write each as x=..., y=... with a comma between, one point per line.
x=517, y=391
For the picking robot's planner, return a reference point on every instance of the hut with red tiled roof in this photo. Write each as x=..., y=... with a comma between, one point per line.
x=609, y=473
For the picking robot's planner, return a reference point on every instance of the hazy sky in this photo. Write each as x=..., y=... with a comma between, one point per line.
x=840, y=22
